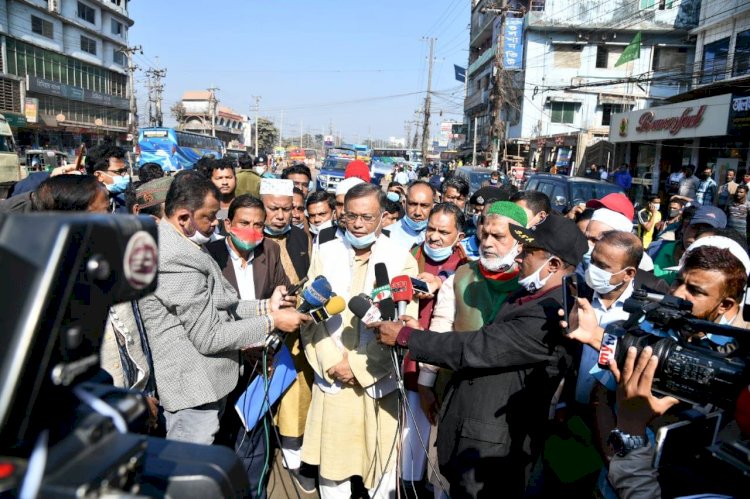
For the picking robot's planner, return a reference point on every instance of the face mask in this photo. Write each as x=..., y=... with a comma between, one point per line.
x=198, y=237
x=315, y=229
x=415, y=226
x=119, y=184
x=260, y=170
x=439, y=254
x=673, y=213
x=300, y=226
x=657, y=206
x=598, y=279
x=500, y=264
x=393, y=196
x=246, y=239
x=277, y=232
x=532, y=283
x=587, y=257
x=362, y=242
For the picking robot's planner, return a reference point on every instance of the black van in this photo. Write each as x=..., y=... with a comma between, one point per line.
x=566, y=192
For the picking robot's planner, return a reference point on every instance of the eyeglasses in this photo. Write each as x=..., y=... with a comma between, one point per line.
x=121, y=171
x=352, y=217
x=454, y=198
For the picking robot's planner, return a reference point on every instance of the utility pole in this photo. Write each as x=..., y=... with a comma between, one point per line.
x=427, y=101
x=132, y=68
x=257, y=109
x=212, y=104
x=301, y=132
x=281, y=128
x=155, y=89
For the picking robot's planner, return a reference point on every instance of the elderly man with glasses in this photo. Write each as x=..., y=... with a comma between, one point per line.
x=351, y=426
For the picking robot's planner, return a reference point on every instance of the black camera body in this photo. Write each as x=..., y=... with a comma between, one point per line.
x=64, y=432
x=687, y=371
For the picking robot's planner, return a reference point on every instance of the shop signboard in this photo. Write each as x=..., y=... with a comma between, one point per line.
x=31, y=109
x=47, y=87
x=513, y=43
x=739, y=115
x=685, y=120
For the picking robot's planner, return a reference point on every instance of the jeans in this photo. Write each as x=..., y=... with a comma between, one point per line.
x=252, y=450
x=197, y=425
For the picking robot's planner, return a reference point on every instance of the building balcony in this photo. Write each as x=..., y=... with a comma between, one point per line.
x=476, y=99
x=488, y=55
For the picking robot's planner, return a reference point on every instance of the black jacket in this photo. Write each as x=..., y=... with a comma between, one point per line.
x=298, y=247
x=499, y=396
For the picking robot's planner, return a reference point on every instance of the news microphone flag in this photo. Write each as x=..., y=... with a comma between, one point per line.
x=402, y=292
x=383, y=286
x=335, y=306
x=363, y=308
x=315, y=295
x=460, y=73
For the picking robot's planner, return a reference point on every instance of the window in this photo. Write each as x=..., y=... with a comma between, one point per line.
x=116, y=28
x=742, y=54
x=567, y=56
x=715, y=61
x=669, y=58
x=86, y=13
x=42, y=27
x=118, y=57
x=606, y=57
x=88, y=45
x=610, y=109
x=562, y=112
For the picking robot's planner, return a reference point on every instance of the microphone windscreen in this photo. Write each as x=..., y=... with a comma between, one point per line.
x=401, y=288
x=363, y=308
x=316, y=294
x=335, y=305
x=381, y=275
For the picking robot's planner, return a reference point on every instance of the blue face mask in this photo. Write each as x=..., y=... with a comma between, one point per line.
x=276, y=232
x=587, y=258
x=393, y=196
x=119, y=184
x=415, y=226
x=438, y=254
x=362, y=242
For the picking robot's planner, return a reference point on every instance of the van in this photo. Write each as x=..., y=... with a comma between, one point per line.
x=566, y=192
x=10, y=165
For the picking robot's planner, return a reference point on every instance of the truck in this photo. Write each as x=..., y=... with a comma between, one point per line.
x=10, y=165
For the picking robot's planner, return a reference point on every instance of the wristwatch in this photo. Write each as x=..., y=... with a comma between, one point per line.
x=622, y=442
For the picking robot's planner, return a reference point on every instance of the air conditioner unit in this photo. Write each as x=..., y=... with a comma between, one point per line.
x=54, y=6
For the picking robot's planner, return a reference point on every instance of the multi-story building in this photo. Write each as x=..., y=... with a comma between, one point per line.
x=203, y=114
x=64, y=77
x=558, y=104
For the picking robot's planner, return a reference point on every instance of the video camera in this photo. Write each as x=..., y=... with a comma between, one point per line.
x=688, y=371
x=64, y=431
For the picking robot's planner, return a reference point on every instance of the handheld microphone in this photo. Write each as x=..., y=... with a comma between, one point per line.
x=335, y=306
x=402, y=292
x=315, y=295
x=361, y=306
x=382, y=293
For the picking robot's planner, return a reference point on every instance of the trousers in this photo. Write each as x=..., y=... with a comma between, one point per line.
x=197, y=425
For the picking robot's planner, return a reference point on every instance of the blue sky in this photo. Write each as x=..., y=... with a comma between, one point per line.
x=318, y=60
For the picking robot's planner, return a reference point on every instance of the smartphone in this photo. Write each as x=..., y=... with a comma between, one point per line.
x=420, y=286
x=583, y=289
x=293, y=290
x=676, y=442
x=570, y=293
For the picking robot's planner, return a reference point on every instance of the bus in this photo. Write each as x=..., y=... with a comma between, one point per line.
x=175, y=149
x=10, y=165
x=295, y=155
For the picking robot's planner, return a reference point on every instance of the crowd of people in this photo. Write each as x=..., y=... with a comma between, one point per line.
x=497, y=395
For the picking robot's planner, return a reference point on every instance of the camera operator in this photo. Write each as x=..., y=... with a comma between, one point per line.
x=195, y=323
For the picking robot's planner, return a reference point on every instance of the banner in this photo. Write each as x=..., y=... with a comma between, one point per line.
x=31, y=109
x=460, y=73
x=513, y=43
x=632, y=51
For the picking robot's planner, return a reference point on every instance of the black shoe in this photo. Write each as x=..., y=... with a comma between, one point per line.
x=305, y=483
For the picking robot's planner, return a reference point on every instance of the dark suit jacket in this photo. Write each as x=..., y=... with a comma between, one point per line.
x=267, y=270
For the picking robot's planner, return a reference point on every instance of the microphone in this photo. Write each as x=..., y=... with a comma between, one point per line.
x=361, y=306
x=402, y=292
x=335, y=306
x=382, y=293
x=315, y=295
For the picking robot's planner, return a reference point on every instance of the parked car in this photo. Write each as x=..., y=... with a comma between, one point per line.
x=331, y=173
x=566, y=192
x=478, y=176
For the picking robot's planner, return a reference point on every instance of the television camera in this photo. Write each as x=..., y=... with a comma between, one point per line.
x=64, y=431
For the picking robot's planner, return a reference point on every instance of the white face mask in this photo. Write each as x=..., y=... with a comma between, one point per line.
x=532, y=283
x=260, y=170
x=598, y=279
x=315, y=229
x=503, y=263
x=198, y=238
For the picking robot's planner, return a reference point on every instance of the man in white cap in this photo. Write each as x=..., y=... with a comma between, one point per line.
x=337, y=231
x=277, y=197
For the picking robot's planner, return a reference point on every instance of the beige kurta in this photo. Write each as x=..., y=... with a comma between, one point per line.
x=349, y=432
x=295, y=402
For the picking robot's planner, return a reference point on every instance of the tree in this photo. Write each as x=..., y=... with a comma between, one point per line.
x=179, y=113
x=268, y=135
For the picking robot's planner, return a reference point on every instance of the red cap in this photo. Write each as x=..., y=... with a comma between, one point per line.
x=617, y=201
x=359, y=169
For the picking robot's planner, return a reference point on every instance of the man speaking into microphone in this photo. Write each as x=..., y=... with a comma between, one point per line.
x=352, y=426
x=494, y=414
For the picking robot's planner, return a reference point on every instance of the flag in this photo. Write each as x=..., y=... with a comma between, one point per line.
x=631, y=52
x=460, y=73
